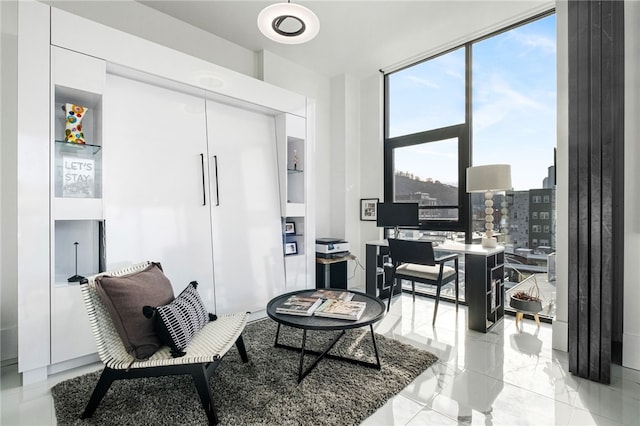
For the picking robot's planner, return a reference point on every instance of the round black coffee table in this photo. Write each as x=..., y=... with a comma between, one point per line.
x=373, y=313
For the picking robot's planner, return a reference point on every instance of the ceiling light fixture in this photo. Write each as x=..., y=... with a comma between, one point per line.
x=288, y=23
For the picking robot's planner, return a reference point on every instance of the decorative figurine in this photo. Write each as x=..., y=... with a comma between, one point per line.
x=76, y=277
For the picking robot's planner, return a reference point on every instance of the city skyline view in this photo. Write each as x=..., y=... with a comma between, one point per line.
x=513, y=106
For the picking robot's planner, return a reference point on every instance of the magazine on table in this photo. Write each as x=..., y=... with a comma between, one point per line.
x=342, y=309
x=299, y=305
x=332, y=294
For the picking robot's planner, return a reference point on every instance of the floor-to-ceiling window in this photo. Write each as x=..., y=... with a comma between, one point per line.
x=492, y=100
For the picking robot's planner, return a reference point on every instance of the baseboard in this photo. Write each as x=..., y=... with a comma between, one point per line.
x=631, y=351
x=73, y=363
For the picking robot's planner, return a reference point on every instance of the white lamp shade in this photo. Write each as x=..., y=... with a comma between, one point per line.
x=303, y=24
x=491, y=177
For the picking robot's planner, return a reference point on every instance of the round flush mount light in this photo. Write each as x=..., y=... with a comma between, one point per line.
x=288, y=23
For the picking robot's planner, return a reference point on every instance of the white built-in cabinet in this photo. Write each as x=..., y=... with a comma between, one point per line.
x=245, y=208
x=76, y=199
x=156, y=206
x=292, y=147
x=195, y=187
x=191, y=165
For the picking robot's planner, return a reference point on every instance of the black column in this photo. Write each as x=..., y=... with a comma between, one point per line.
x=596, y=184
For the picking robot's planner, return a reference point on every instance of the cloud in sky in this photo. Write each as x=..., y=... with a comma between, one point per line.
x=421, y=81
x=532, y=41
x=497, y=99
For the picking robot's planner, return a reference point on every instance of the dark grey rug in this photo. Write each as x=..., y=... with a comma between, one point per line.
x=262, y=392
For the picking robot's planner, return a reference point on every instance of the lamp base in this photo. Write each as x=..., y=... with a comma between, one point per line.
x=489, y=242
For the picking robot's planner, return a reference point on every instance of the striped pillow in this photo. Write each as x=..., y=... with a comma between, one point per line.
x=177, y=322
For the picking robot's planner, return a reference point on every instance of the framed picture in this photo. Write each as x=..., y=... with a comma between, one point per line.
x=290, y=248
x=289, y=227
x=369, y=208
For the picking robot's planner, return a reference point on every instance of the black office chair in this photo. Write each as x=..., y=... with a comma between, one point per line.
x=415, y=261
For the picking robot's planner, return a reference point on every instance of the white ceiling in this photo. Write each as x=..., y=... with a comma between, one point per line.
x=357, y=37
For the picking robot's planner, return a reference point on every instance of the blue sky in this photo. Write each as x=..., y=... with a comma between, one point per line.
x=514, y=105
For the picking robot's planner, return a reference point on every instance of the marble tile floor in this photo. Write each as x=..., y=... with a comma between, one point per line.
x=504, y=377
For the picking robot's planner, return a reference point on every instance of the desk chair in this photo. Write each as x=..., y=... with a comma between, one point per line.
x=415, y=261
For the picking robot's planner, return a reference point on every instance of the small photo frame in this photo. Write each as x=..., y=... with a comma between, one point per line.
x=369, y=208
x=290, y=248
x=289, y=228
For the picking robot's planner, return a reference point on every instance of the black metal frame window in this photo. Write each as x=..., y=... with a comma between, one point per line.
x=441, y=216
x=426, y=122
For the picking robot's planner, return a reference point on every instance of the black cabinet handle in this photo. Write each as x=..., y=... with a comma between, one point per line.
x=204, y=190
x=215, y=164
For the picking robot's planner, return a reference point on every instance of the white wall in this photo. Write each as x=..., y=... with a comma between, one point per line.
x=345, y=169
x=631, y=336
x=371, y=153
x=8, y=165
x=137, y=19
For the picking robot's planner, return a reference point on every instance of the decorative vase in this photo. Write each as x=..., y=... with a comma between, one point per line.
x=73, y=123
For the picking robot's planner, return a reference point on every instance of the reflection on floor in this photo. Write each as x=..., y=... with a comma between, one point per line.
x=505, y=377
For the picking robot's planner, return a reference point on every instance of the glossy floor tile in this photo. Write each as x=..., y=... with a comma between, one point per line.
x=508, y=376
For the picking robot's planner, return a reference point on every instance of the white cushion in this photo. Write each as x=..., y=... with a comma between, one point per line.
x=424, y=271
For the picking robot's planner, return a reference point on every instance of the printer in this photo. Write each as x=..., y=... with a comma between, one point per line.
x=331, y=248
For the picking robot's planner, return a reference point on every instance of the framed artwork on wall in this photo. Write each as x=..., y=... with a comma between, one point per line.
x=289, y=227
x=291, y=248
x=369, y=208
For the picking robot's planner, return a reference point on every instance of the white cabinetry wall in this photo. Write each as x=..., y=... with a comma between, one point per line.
x=195, y=187
x=245, y=208
x=76, y=204
x=292, y=155
x=154, y=200
x=188, y=178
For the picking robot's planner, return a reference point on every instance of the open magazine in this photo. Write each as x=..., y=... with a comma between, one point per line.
x=299, y=305
x=342, y=309
x=332, y=294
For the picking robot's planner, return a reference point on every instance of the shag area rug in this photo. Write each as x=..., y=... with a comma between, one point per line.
x=263, y=391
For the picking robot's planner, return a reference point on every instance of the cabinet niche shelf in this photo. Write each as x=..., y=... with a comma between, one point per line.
x=77, y=148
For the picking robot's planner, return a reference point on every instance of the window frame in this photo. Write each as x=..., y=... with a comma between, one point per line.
x=459, y=132
x=465, y=142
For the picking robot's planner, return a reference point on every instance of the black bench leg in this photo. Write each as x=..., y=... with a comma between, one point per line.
x=201, y=381
x=106, y=378
x=241, y=349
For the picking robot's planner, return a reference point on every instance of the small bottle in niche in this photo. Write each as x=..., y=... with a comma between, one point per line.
x=295, y=159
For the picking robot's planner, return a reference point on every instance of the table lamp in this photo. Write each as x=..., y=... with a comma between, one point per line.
x=489, y=179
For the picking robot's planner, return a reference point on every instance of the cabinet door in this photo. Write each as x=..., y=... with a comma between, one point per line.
x=154, y=157
x=247, y=233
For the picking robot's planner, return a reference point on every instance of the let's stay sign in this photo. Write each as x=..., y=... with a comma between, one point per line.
x=78, y=177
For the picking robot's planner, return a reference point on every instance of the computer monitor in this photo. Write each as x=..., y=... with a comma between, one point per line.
x=397, y=214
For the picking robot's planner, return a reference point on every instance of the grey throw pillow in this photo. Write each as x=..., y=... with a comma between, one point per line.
x=124, y=298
